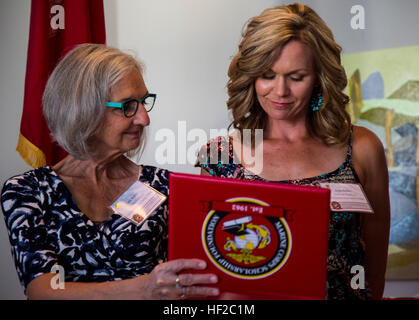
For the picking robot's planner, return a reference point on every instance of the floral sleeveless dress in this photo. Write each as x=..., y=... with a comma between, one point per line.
x=346, y=248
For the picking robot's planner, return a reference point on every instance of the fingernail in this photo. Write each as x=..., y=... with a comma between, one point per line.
x=213, y=279
x=202, y=265
x=214, y=292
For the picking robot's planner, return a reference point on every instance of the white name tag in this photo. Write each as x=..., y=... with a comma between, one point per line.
x=138, y=202
x=347, y=197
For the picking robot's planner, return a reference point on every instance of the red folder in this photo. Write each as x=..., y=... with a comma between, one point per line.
x=263, y=240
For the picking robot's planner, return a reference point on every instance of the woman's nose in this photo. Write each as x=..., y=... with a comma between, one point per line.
x=141, y=117
x=281, y=87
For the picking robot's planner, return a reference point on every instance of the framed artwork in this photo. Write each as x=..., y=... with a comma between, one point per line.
x=384, y=89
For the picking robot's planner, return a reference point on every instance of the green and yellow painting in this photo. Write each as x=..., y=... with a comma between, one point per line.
x=384, y=89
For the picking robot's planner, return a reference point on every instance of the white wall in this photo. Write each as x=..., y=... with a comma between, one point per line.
x=186, y=46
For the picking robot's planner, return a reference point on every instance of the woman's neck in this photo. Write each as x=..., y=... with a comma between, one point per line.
x=96, y=169
x=289, y=131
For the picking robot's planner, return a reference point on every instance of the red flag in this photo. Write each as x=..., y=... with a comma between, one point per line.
x=55, y=28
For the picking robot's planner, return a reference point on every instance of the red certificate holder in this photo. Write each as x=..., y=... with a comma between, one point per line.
x=263, y=240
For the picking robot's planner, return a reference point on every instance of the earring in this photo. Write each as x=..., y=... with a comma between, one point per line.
x=316, y=100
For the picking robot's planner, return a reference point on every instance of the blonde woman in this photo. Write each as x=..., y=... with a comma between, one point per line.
x=287, y=79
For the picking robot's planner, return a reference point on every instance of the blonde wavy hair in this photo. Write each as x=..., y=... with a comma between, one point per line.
x=262, y=41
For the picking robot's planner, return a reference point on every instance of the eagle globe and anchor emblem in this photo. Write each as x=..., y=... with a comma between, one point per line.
x=243, y=240
x=247, y=238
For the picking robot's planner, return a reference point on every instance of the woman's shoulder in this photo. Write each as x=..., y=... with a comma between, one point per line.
x=217, y=157
x=23, y=194
x=218, y=142
x=215, y=146
x=158, y=178
x=27, y=181
x=367, y=151
x=365, y=141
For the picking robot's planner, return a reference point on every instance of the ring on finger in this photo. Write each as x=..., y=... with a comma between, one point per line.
x=177, y=283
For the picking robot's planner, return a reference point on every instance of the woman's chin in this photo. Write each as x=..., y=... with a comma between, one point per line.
x=132, y=146
x=132, y=139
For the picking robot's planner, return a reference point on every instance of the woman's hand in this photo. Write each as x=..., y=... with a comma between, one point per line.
x=165, y=282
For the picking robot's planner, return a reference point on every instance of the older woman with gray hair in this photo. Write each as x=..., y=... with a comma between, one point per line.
x=61, y=218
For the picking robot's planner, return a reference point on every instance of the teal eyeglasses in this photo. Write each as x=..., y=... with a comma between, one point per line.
x=130, y=107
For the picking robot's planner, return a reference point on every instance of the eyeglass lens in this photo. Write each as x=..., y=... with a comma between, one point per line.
x=131, y=107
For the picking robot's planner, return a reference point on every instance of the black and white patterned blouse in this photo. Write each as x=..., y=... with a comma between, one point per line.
x=47, y=229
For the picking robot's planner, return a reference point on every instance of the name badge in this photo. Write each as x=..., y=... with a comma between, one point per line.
x=138, y=202
x=347, y=197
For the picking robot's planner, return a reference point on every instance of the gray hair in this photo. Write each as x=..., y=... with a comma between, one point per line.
x=77, y=90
